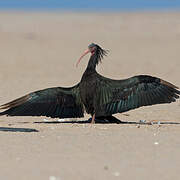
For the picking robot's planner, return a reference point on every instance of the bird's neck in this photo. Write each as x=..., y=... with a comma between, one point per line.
x=91, y=68
x=93, y=61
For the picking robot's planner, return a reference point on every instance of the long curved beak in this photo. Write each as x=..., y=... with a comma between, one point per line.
x=85, y=52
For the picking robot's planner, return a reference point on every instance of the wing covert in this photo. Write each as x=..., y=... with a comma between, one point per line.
x=116, y=96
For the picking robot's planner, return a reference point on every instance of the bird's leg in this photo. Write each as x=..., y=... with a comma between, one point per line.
x=93, y=119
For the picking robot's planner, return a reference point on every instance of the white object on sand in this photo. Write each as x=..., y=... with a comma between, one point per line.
x=116, y=174
x=53, y=178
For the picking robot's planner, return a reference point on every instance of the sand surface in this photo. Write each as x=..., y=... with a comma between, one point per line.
x=39, y=50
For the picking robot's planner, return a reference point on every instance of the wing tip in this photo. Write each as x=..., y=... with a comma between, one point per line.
x=15, y=102
x=168, y=84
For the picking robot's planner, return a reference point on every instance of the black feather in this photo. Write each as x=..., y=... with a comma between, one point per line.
x=52, y=102
x=97, y=94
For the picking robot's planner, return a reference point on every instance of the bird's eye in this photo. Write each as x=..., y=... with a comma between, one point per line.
x=92, y=49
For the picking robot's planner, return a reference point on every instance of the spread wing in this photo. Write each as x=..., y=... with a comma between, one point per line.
x=52, y=102
x=116, y=96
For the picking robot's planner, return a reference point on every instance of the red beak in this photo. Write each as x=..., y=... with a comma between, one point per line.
x=85, y=52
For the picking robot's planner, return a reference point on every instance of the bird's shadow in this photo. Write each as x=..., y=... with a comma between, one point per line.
x=10, y=129
x=104, y=122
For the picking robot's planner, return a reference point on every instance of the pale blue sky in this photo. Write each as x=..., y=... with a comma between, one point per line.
x=91, y=4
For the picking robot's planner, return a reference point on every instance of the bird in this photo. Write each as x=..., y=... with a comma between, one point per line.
x=99, y=96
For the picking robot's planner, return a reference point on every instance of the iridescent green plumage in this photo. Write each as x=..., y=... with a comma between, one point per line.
x=96, y=94
x=52, y=102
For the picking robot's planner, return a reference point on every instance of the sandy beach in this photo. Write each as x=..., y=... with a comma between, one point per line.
x=40, y=50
